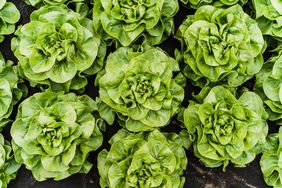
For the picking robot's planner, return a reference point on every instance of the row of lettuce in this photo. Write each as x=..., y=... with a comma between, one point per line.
x=141, y=88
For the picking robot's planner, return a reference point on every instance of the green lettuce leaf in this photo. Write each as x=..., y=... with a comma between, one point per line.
x=11, y=90
x=268, y=16
x=80, y=6
x=8, y=166
x=218, y=3
x=9, y=16
x=269, y=85
x=271, y=161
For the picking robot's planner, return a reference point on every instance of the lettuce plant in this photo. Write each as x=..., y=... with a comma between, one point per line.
x=126, y=21
x=226, y=129
x=218, y=3
x=220, y=46
x=58, y=49
x=268, y=16
x=9, y=15
x=151, y=159
x=268, y=85
x=11, y=90
x=54, y=132
x=270, y=161
x=140, y=88
x=8, y=165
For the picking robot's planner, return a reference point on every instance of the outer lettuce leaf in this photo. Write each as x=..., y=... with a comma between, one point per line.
x=220, y=46
x=58, y=49
x=135, y=21
x=11, y=90
x=8, y=166
x=80, y=6
x=54, y=133
x=270, y=161
x=268, y=85
x=218, y=3
x=268, y=16
x=226, y=129
x=152, y=159
x=140, y=88
x=9, y=15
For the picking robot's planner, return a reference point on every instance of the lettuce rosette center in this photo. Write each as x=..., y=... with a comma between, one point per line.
x=145, y=170
x=220, y=121
x=137, y=89
x=129, y=11
x=56, y=45
x=55, y=130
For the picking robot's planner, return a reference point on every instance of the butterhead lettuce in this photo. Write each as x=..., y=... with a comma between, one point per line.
x=226, y=128
x=58, y=48
x=148, y=159
x=140, y=88
x=54, y=132
x=135, y=21
x=220, y=46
